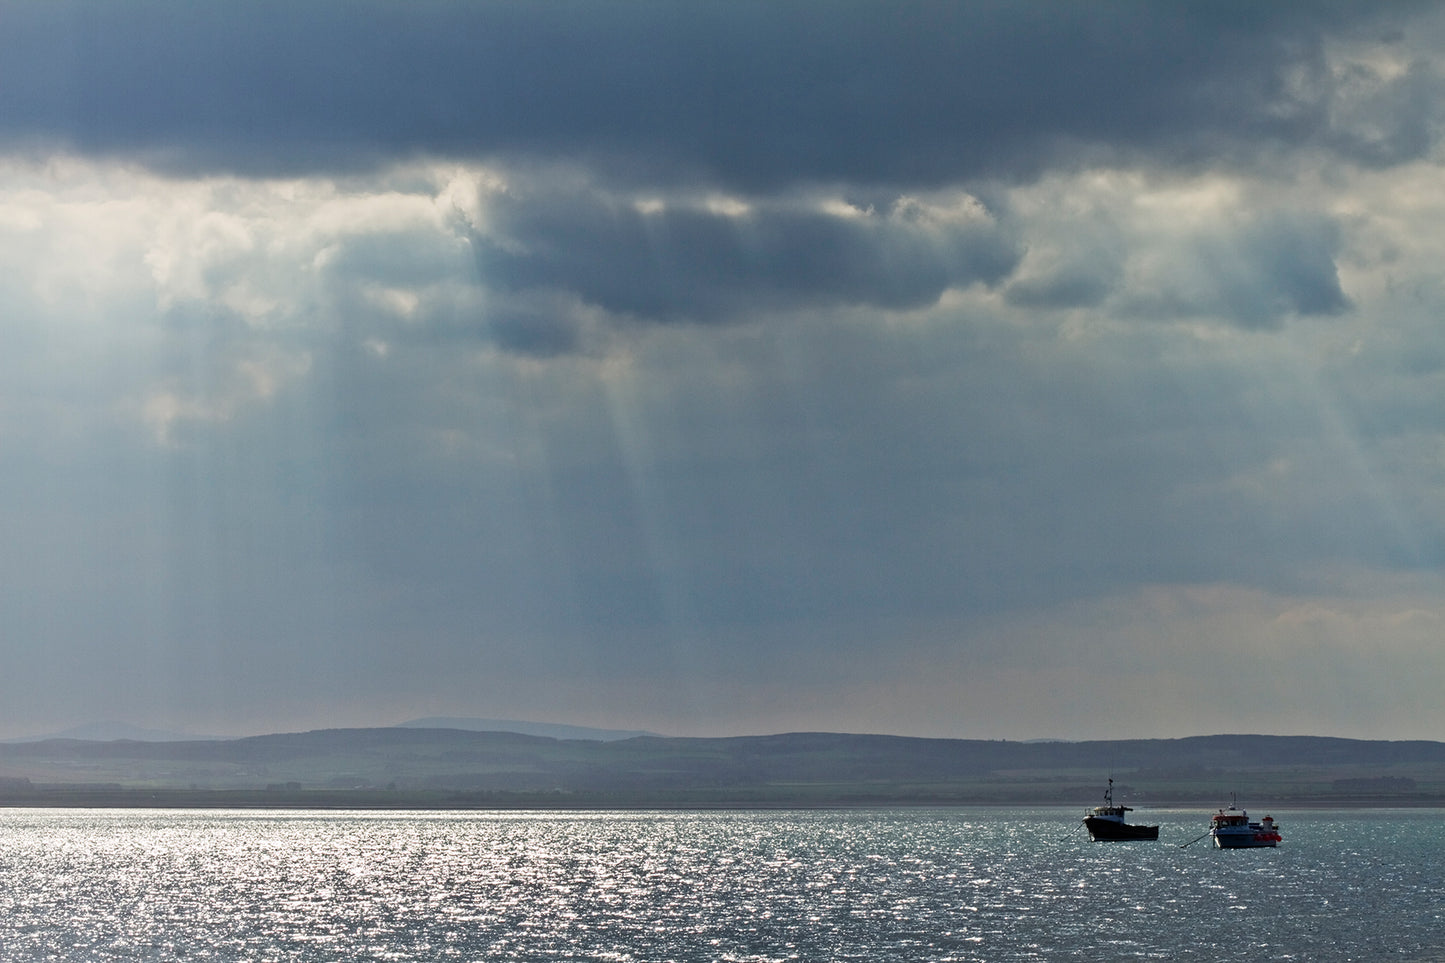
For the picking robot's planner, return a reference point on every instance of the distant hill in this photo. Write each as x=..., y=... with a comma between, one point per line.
x=412, y=766
x=552, y=730
x=112, y=731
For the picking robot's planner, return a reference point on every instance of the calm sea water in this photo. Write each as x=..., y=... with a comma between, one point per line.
x=944, y=884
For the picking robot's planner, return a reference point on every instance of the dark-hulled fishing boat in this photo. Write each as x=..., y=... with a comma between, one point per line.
x=1107, y=822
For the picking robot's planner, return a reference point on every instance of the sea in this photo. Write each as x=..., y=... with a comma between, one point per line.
x=991, y=885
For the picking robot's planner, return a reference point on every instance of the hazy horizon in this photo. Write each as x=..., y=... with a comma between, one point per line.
x=1005, y=370
x=111, y=730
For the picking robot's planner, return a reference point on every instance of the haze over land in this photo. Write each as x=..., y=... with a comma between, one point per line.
x=405, y=767
x=994, y=370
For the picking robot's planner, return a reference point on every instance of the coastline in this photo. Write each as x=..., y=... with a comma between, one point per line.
x=110, y=797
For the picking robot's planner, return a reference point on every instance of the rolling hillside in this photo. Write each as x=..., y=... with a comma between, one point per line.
x=418, y=766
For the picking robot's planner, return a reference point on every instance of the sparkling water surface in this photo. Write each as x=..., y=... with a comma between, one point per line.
x=880, y=885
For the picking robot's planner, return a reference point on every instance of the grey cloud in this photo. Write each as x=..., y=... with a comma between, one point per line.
x=1274, y=266
x=694, y=264
x=1064, y=289
x=743, y=92
x=1297, y=272
x=537, y=330
x=397, y=258
x=1384, y=121
x=441, y=299
x=1253, y=269
x=1084, y=274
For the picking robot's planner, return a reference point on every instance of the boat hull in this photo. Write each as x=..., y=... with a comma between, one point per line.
x=1245, y=840
x=1106, y=830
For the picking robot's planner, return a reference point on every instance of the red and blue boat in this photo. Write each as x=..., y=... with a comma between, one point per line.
x=1232, y=829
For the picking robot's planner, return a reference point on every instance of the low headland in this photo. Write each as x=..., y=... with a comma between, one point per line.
x=424, y=768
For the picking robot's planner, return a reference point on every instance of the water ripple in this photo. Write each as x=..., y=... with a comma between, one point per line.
x=954, y=885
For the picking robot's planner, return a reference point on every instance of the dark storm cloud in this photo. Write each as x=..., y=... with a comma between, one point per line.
x=536, y=331
x=698, y=264
x=743, y=93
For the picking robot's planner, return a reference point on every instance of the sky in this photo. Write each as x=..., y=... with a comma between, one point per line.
x=1007, y=370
